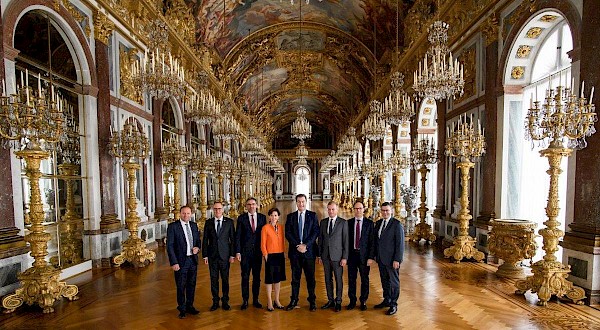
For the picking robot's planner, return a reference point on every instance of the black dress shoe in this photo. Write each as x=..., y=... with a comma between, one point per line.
x=182, y=315
x=363, y=306
x=382, y=305
x=226, y=306
x=257, y=304
x=329, y=304
x=392, y=310
x=351, y=305
x=214, y=307
x=338, y=307
x=245, y=305
x=292, y=305
x=192, y=310
x=313, y=307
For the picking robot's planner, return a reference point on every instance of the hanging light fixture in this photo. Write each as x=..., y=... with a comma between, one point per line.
x=202, y=107
x=374, y=126
x=301, y=128
x=398, y=107
x=439, y=76
x=226, y=127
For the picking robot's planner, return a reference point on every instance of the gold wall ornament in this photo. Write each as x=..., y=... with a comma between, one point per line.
x=562, y=119
x=465, y=145
x=517, y=72
x=512, y=240
x=77, y=15
x=103, y=27
x=469, y=63
x=490, y=29
x=129, y=145
x=548, y=18
x=523, y=51
x=127, y=85
x=179, y=16
x=534, y=32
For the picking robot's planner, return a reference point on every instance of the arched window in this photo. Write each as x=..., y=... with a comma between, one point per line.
x=302, y=177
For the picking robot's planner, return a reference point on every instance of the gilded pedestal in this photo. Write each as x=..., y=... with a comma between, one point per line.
x=176, y=174
x=423, y=229
x=512, y=241
x=134, y=248
x=40, y=284
x=549, y=275
x=464, y=245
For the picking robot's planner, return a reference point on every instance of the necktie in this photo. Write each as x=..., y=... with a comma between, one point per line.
x=357, y=231
x=301, y=226
x=218, y=226
x=252, y=222
x=382, y=227
x=330, y=226
x=188, y=231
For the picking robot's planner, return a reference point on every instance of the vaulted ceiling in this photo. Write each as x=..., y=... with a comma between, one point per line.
x=275, y=56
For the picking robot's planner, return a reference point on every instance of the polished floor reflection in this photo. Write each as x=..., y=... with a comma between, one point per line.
x=435, y=294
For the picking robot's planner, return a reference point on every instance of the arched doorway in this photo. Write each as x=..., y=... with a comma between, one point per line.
x=302, y=181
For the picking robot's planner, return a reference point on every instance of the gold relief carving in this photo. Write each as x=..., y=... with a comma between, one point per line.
x=103, y=27
x=517, y=72
x=127, y=86
x=419, y=17
x=489, y=29
x=523, y=51
x=548, y=18
x=404, y=125
x=403, y=133
x=427, y=111
x=425, y=122
x=80, y=17
x=512, y=241
x=300, y=67
x=534, y=32
x=430, y=101
x=526, y=7
x=470, y=74
x=180, y=17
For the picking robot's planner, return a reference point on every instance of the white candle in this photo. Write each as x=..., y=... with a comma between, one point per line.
x=582, y=88
x=22, y=83
x=26, y=77
x=39, y=86
x=3, y=87
x=591, y=96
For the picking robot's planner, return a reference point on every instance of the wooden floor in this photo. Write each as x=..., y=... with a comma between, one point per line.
x=435, y=294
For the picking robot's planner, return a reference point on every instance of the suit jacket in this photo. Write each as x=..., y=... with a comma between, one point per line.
x=390, y=246
x=248, y=242
x=334, y=246
x=218, y=246
x=366, y=244
x=177, y=245
x=310, y=234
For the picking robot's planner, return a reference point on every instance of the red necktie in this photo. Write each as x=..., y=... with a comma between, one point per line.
x=357, y=230
x=252, y=222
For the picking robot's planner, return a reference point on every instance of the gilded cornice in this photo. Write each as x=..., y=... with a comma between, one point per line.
x=77, y=15
x=490, y=29
x=290, y=154
x=103, y=27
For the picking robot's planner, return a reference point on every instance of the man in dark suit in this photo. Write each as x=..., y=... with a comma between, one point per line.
x=247, y=248
x=362, y=254
x=389, y=244
x=217, y=251
x=333, y=251
x=183, y=245
x=301, y=232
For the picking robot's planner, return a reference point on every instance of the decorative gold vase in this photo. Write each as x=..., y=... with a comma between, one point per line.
x=512, y=241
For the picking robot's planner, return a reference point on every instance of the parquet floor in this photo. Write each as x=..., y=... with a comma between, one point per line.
x=435, y=294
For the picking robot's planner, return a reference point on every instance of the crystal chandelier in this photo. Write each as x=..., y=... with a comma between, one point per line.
x=226, y=127
x=68, y=146
x=158, y=73
x=374, y=126
x=301, y=128
x=203, y=107
x=174, y=155
x=439, y=75
x=301, y=151
x=398, y=107
x=424, y=153
x=465, y=143
x=350, y=145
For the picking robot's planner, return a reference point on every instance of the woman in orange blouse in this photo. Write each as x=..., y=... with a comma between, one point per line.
x=272, y=249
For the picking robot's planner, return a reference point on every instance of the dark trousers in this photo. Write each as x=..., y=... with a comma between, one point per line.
x=251, y=263
x=219, y=267
x=332, y=268
x=390, y=281
x=355, y=266
x=308, y=266
x=185, y=279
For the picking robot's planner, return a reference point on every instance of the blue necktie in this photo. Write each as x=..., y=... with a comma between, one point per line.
x=301, y=227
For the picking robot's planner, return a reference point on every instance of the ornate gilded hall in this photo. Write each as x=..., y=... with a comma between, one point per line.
x=474, y=118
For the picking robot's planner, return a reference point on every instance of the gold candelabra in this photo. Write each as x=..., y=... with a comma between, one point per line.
x=398, y=163
x=562, y=116
x=422, y=155
x=129, y=145
x=465, y=144
x=234, y=175
x=33, y=123
x=221, y=167
x=174, y=158
x=201, y=165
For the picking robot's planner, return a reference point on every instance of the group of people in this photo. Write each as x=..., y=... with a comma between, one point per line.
x=335, y=243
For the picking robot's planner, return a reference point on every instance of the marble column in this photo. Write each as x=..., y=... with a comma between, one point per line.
x=108, y=186
x=440, y=207
x=582, y=240
x=11, y=243
x=161, y=213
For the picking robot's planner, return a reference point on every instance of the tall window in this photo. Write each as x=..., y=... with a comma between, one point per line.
x=302, y=177
x=528, y=182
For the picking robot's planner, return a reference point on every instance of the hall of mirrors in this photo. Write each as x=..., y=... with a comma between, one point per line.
x=475, y=119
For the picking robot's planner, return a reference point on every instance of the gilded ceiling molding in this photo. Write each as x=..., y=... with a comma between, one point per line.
x=103, y=27
x=78, y=16
x=490, y=29
x=290, y=154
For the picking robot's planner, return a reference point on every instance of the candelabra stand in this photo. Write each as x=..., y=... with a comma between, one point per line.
x=398, y=162
x=234, y=174
x=563, y=115
x=464, y=144
x=167, y=198
x=201, y=165
x=175, y=157
x=129, y=145
x=71, y=223
x=243, y=194
x=33, y=122
x=424, y=154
